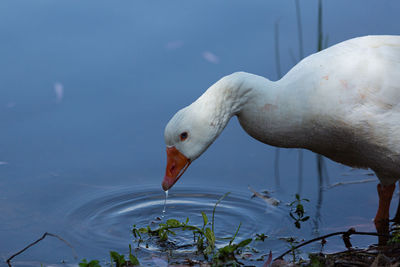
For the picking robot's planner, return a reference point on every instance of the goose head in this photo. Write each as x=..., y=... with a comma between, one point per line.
x=194, y=128
x=187, y=135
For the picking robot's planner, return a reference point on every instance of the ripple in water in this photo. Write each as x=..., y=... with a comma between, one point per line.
x=107, y=220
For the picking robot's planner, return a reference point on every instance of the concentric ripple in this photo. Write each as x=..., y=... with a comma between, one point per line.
x=107, y=219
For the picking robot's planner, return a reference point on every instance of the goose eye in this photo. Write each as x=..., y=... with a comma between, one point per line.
x=183, y=136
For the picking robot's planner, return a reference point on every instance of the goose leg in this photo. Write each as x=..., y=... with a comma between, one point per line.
x=381, y=220
x=396, y=218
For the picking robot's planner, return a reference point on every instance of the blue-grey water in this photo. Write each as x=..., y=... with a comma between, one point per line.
x=86, y=88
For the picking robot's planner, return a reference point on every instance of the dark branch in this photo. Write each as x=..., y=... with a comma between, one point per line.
x=37, y=241
x=346, y=238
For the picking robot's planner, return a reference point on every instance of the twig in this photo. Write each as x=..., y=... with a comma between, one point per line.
x=346, y=236
x=351, y=182
x=37, y=241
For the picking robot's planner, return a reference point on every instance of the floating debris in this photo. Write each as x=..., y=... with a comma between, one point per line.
x=210, y=57
x=270, y=200
x=59, y=90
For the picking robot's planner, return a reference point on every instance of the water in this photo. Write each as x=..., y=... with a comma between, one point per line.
x=165, y=204
x=86, y=89
x=107, y=220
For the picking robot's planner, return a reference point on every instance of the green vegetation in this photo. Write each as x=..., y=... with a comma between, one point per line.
x=204, y=240
x=120, y=260
x=204, y=237
x=92, y=263
x=297, y=212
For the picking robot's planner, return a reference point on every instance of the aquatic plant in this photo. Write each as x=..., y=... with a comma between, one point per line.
x=92, y=263
x=204, y=237
x=297, y=212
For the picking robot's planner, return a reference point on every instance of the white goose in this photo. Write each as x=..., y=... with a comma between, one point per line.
x=343, y=103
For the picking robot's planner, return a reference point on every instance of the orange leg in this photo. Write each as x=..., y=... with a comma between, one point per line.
x=396, y=218
x=382, y=216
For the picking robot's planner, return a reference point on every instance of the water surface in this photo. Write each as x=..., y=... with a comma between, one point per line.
x=86, y=161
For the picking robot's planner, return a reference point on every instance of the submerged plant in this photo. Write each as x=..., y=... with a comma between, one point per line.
x=297, y=212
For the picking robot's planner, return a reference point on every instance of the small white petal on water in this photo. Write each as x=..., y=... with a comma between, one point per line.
x=59, y=90
x=210, y=57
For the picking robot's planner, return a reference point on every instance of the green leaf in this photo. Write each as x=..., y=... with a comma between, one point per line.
x=92, y=263
x=244, y=243
x=227, y=249
x=205, y=219
x=210, y=237
x=305, y=218
x=300, y=208
x=173, y=223
x=163, y=235
x=117, y=258
x=200, y=243
x=132, y=258
x=143, y=230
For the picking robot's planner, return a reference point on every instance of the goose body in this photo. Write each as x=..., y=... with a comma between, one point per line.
x=342, y=102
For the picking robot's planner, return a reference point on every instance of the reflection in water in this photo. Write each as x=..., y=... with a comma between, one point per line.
x=276, y=169
x=300, y=170
x=320, y=167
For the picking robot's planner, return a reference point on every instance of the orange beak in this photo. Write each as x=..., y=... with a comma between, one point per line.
x=177, y=164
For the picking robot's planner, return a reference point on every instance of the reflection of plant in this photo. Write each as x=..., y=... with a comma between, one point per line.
x=297, y=211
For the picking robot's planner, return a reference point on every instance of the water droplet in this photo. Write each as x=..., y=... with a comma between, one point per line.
x=165, y=204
